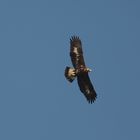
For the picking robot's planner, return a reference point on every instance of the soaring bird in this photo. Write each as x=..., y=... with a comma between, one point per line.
x=80, y=70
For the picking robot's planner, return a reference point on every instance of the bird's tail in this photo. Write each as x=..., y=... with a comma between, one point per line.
x=70, y=74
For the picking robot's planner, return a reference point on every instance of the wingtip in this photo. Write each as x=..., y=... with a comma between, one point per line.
x=75, y=38
x=91, y=99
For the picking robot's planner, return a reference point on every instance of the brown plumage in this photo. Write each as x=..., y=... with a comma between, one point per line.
x=80, y=70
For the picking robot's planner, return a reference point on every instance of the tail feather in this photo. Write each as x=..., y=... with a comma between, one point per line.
x=70, y=74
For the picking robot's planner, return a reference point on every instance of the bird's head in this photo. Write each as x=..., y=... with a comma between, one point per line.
x=88, y=70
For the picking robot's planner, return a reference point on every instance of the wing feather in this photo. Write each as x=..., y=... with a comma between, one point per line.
x=86, y=87
x=76, y=52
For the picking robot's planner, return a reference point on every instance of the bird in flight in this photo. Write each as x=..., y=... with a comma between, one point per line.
x=80, y=70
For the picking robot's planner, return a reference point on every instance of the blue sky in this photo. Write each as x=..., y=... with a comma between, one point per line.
x=36, y=101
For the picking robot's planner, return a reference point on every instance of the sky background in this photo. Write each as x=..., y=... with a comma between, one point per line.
x=36, y=101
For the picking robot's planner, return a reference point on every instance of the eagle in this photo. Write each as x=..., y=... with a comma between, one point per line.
x=80, y=71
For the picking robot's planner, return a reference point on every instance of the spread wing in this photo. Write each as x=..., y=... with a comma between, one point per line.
x=86, y=87
x=76, y=52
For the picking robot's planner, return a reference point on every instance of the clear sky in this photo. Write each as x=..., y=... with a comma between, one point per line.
x=36, y=101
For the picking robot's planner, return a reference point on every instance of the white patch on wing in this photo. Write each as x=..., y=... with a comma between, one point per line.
x=87, y=91
x=75, y=50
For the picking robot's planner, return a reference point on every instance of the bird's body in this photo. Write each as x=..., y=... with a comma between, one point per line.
x=80, y=70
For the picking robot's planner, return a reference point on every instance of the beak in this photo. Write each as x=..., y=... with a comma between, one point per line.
x=89, y=70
